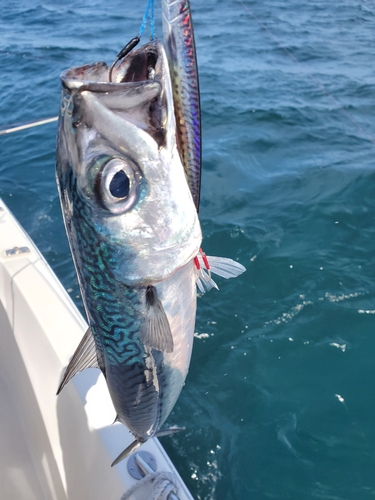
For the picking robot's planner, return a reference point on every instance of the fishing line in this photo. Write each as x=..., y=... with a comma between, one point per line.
x=135, y=41
x=153, y=20
x=316, y=82
x=150, y=5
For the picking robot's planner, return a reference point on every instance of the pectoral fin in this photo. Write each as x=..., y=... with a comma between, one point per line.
x=84, y=357
x=156, y=332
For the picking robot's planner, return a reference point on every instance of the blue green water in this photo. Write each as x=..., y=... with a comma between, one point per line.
x=280, y=399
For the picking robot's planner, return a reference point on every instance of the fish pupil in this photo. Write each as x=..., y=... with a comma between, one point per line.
x=119, y=186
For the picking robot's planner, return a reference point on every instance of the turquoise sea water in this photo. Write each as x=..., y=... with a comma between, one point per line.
x=280, y=399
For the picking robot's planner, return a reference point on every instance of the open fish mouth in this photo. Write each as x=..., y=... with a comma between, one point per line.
x=137, y=66
x=144, y=65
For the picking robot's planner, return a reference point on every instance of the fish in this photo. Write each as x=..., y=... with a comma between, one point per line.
x=128, y=171
x=133, y=231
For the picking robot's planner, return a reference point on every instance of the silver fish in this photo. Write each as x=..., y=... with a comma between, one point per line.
x=133, y=231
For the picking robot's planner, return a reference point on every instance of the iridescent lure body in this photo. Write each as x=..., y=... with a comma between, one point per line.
x=180, y=49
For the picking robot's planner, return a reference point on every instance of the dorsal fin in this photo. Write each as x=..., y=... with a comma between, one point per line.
x=156, y=332
x=84, y=357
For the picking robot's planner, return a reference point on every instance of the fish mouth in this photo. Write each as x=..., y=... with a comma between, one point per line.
x=139, y=65
x=141, y=73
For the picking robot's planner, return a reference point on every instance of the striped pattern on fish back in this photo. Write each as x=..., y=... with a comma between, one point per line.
x=115, y=312
x=180, y=48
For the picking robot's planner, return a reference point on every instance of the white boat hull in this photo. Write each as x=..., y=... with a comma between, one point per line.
x=53, y=448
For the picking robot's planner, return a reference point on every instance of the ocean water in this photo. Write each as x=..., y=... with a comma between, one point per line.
x=280, y=398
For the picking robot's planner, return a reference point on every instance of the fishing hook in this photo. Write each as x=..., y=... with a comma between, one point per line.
x=128, y=48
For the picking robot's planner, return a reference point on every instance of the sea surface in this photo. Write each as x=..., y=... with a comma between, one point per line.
x=279, y=402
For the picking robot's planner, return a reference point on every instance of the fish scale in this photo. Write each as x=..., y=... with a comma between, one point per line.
x=97, y=296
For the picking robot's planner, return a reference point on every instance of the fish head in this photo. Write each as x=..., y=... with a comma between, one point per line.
x=121, y=181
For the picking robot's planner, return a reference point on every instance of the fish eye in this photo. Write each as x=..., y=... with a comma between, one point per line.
x=117, y=184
